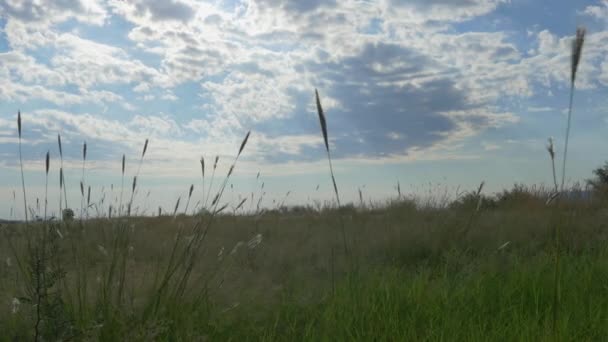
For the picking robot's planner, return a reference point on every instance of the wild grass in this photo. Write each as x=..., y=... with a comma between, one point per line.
x=477, y=268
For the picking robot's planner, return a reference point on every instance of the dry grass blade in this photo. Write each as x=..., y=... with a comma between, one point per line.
x=176, y=206
x=203, y=166
x=59, y=143
x=244, y=143
x=143, y=153
x=241, y=204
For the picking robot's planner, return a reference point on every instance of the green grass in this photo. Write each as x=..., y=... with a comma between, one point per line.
x=416, y=277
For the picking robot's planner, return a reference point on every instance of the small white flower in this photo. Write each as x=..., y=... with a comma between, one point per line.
x=220, y=255
x=255, y=241
x=236, y=247
x=9, y=262
x=15, y=305
x=102, y=250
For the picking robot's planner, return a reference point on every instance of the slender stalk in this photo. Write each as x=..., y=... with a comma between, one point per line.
x=122, y=186
x=217, y=158
x=21, y=163
x=323, y=123
x=46, y=184
x=577, y=47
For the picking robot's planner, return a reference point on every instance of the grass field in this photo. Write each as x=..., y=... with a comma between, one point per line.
x=411, y=273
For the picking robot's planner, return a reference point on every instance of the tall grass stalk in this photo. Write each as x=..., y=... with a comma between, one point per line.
x=217, y=158
x=577, y=48
x=21, y=164
x=62, y=185
x=84, y=160
x=203, y=179
x=122, y=185
x=323, y=123
x=141, y=160
x=46, y=183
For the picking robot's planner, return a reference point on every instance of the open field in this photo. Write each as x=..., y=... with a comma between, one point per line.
x=454, y=273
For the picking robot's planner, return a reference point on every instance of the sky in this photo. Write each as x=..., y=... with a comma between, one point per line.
x=435, y=95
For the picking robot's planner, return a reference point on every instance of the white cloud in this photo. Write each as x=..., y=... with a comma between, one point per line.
x=35, y=12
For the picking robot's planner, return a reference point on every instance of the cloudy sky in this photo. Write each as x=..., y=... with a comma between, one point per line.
x=415, y=91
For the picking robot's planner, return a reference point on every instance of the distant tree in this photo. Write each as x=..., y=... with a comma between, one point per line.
x=68, y=214
x=600, y=181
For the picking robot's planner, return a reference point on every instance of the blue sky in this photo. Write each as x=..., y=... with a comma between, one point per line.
x=431, y=93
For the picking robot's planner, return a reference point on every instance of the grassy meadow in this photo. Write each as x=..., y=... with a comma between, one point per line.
x=411, y=273
x=527, y=264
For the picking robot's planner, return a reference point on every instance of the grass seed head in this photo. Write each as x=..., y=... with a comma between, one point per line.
x=244, y=143
x=47, y=162
x=241, y=204
x=577, y=48
x=19, y=123
x=123, y=164
x=84, y=151
x=59, y=143
x=322, y=120
x=551, y=149
x=143, y=153
x=191, y=189
x=176, y=206
x=203, y=166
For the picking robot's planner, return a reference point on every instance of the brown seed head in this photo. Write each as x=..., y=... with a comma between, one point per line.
x=59, y=142
x=244, y=143
x=143, y=153
x=48, y=157
x=322, y=120
x=577, y=48
x=550, y=148
x=19, y=123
